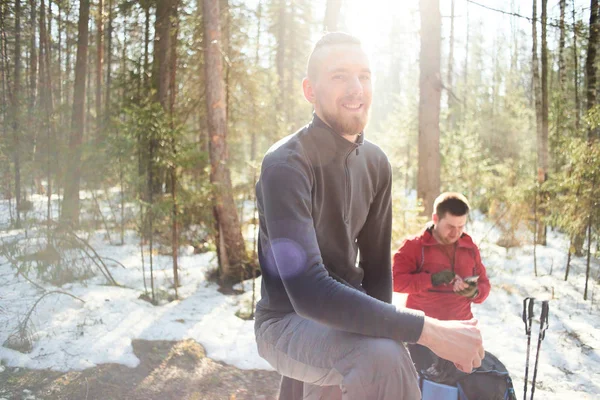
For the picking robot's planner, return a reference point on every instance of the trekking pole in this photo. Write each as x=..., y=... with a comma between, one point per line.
x=541, y=336
x=527, y=320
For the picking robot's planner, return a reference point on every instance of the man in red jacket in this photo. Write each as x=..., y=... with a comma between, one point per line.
x=441, y=269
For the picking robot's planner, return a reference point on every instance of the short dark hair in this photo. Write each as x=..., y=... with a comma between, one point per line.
x=451, y=202
x=327, y=40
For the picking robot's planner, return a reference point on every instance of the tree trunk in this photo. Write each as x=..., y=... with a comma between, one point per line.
x=142, y=142
x=49, y=47
x=465, y=72
x=68, y=64
x=332, y=15
x=576, y=70
x=70, y=206
x=146, y=6
x=47, y=104
x=560, y=99
x=543, y=161
x=99, y=62
x=562, y=73
x=590, y=65
x=109, y=33
x=61, y=25
x=230, y=244
x=451, y=111
x=173, y=169
x=253, y=146
x=33, y=95
x=16, y=112
x=591, y=210
x=537, y=96
x=32, y=59
x=536, y=80
x=160, y=79
x=428, y=187
x=162, y=44
x=289, y=82
x=226, y=47
x=6, y=100
x=280, y=58
x=544, y=140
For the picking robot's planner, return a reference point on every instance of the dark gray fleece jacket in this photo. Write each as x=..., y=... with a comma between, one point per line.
x=321, y=200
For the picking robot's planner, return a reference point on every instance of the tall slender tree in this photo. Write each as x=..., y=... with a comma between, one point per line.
x=16, y=112
x=99, y=66
x=537, y=95
x=46, y=98
x=560, y=98
x=332, y=15
x=466, y=72
x=109, y=49
x=230, y=243
x=590, y=65
x=543, y=156
x=449, y=89
x=32, y=58
x=428, y=186
x=280, y=60
x=576, y=69
x=59, y=46
x=173, y=168
x=562, y=73
x=5, y=101
x=68, y=53
x=162, y=45
x=593, y=131
x=70, y=205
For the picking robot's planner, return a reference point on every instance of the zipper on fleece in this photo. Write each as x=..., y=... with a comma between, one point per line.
x=347, y=187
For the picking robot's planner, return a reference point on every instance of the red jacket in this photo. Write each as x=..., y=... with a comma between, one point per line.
x=422, y=256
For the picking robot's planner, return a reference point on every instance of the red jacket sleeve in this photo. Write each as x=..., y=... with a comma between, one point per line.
x=406, y=263
x=483, y=283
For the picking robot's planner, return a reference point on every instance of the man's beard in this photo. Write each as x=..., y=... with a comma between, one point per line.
x=346, y=125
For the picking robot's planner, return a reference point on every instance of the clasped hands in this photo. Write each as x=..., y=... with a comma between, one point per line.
x=461, y=286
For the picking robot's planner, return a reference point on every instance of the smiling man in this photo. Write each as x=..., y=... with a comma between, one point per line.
x=324, y=321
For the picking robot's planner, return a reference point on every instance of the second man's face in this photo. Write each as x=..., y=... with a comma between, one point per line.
x=449, y=228
x=343, y=89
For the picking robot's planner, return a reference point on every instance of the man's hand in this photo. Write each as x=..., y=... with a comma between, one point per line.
x=456, y=341
x=470, y=292
x=464, y=288
x=442, y=277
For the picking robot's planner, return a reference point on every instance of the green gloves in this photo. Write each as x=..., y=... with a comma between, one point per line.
x=442, y=277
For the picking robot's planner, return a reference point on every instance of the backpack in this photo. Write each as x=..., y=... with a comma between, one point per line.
x=491, y=381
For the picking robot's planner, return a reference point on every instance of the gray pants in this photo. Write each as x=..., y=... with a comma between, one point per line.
x=325, y=359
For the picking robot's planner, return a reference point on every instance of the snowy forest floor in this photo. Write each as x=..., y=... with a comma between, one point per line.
x=92, y=340
x=167, y=370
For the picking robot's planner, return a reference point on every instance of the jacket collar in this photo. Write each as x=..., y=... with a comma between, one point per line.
x=329, y=137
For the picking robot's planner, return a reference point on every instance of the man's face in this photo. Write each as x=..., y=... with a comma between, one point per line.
x=449, y=228
x=341, y=89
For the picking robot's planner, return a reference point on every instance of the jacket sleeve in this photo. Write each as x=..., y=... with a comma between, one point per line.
x=406, y=263
x=483, y=283
x=292, y=254
x=374, y=243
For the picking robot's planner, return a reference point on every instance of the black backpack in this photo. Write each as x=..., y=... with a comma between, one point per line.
x=491, y=381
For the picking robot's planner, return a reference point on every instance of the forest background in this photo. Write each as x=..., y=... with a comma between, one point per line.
x=164, y=109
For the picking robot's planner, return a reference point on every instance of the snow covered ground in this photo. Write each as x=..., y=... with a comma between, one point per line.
x=70, y=335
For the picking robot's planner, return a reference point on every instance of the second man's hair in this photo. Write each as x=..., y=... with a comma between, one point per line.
x=451, y=202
